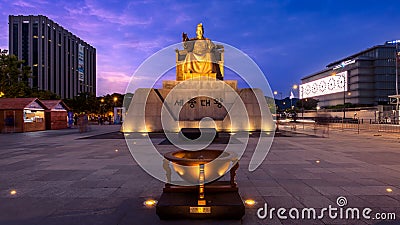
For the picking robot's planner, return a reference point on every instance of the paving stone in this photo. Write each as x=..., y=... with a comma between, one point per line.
x=61, y=178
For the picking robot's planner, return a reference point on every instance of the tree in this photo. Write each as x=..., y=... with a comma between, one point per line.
x=307, y=104
x=14, y=77
x=84, y=102
x=111, y=101
x=271, y=104
x=44, y=95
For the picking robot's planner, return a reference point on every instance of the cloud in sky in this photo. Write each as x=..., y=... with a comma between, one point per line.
x=288, y=39
x=23, y=4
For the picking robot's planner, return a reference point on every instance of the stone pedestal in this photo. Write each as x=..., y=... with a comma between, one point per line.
x=222, y=202
x=144, y=114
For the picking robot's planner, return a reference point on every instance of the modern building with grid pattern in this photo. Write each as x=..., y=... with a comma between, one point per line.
x=365, y=78
x=61, y=62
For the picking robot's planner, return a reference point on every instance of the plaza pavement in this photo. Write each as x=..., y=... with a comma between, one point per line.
x=61, y=177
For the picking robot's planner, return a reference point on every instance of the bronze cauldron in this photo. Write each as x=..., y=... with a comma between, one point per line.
x=187, y=164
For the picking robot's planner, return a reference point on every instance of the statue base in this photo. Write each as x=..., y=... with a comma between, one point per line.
x=144, y=114
x=222, y=202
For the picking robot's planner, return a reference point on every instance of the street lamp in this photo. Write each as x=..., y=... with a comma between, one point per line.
x=276, y=93
x=316, y=119
x=115, y=101
x=114, y=111
x=102, y=106
x=348, y=94
x=302, y=102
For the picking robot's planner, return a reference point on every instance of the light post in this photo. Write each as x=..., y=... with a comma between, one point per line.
x=114, y=112
x=316, y=120
x=276, y=93
x=102, y=107
x=115, y=102
x=277, y=110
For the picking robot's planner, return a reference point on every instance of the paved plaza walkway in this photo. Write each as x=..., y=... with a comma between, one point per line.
x=66, y=177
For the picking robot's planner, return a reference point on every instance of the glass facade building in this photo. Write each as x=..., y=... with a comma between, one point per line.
x=60, y=61
x=371, y=77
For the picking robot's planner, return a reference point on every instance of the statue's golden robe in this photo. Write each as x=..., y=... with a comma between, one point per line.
x=201, y=58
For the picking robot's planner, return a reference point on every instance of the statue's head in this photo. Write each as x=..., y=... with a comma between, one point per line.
x=199, y=31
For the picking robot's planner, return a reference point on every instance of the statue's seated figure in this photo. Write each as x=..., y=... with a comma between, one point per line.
x=200, y=57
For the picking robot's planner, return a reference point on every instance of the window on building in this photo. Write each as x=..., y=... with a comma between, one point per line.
x=35, y=55
x=15, y=39
x=25, y=43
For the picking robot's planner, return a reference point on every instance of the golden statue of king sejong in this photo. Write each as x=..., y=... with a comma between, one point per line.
x=200, y=57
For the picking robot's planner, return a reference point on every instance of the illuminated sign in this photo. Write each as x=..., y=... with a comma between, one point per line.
x=81, y=63
x=344, y=63
x=324, y=86
x=200, y=209
x=393, y=42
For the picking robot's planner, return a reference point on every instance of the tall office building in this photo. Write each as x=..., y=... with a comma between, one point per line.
x=366, y=78
x=61, y=62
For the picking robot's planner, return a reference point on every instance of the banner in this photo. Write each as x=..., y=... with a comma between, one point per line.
x=81, y=63
x=324, y=86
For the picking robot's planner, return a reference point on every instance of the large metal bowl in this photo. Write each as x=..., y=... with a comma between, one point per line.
x=187, y=163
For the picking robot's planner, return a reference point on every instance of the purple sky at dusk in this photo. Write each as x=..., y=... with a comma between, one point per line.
x=288, y=39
